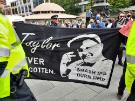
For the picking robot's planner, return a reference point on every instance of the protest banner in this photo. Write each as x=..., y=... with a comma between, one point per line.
x=70, y=55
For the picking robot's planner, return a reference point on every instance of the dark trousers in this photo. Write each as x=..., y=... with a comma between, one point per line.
x=120, y=54
x=22, y=94
x=131, y=97
x=122, y=85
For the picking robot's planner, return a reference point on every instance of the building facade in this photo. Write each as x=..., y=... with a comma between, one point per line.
x=3, y=2
x=24, y=7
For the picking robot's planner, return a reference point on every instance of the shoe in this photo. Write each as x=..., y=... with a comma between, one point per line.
x=119, y=96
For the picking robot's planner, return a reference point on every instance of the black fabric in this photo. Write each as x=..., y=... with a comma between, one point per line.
x=22, y=94
x=2, y=67
x=121, y=48
x=44, y=59
x=120, y=54
x=131, y=97
x=122, y=85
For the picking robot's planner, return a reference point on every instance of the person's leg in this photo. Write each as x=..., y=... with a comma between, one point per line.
x=120, y=54
x=22, y=94
x=131, y=97
x=122, y=85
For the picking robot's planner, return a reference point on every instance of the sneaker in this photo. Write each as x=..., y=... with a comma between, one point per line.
x=119, y=96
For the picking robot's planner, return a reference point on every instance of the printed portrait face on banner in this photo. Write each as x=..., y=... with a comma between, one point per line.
x=90, y=50
x=91, y=62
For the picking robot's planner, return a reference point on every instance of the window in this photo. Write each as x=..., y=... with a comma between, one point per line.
x=24, y=1
x=13, y=11
x=16, y=11
x=22, y=9
x=29, y=8
x=12, y=4
x=26, y=9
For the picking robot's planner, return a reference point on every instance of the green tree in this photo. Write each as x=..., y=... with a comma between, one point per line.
x=69, y=5
x=118, y=4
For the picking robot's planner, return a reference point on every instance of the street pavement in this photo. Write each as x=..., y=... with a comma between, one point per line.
x=68, y=91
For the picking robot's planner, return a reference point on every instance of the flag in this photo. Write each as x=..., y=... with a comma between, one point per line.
x=68, y=54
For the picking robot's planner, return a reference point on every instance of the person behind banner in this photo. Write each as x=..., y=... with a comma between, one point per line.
x=87, y=57
x=54, y=21
x=89, y=15
x=119, y=23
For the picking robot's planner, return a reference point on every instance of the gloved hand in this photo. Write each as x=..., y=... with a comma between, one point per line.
x=20, y=78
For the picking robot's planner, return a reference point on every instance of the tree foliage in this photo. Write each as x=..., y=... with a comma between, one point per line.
x=69, y=5
x=118, y=4
x=71, y=8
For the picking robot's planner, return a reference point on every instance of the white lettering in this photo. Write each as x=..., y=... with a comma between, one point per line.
x=41, y=70
x=49, y=45
x=35, y=69
x=45, y=44
x=55, y=45
x=36, y=60
x=27, y=34
x=41, y=61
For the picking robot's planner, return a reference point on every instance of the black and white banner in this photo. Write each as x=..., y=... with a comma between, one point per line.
x=70, y=55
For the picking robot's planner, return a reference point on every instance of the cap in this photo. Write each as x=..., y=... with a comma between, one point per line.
x=54, y=17
x=95, y=38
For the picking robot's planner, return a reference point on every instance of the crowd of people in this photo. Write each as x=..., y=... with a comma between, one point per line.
x=99, y=21
x=10, y=77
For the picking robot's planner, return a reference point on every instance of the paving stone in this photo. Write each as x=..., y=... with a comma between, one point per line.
x=95, y=88
x=82, y=94
x=39, y=87
x=56, y=93
x=58, y=83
